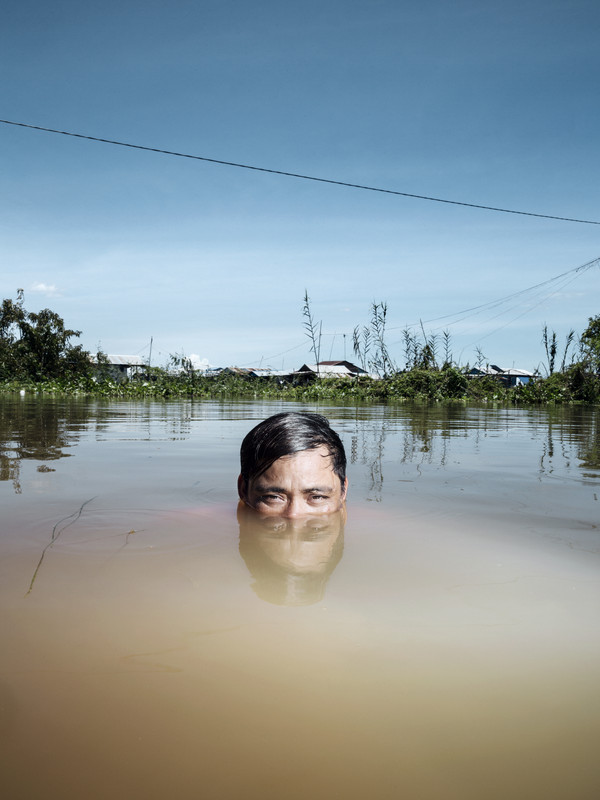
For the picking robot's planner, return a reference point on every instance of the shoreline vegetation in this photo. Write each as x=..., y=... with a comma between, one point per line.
x=38, y=359
x=450, y=384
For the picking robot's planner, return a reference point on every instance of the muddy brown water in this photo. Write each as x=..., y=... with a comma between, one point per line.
x=443, y=643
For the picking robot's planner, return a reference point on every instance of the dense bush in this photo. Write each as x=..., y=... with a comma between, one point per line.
x=576, y=385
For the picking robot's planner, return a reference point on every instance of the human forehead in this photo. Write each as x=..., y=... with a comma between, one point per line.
x=303, y=464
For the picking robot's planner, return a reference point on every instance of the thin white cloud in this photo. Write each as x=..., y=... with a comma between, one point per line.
x=199, y=363
x=45, y=288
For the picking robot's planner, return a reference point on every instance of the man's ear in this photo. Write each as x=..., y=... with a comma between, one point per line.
x=344, y=488
x=241, y=483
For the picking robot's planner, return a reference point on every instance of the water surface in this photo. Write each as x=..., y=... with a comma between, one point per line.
x=442, y=643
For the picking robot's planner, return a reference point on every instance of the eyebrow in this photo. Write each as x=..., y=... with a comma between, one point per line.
x=262, y=488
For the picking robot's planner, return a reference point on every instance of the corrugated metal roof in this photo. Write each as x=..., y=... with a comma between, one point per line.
x=126, y=361
x=484, y=371
x=326, y=369
x=342, y=362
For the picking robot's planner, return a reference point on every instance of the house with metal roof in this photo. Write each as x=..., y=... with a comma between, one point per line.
x=515, y=377
x=120, y=367
x=508, y=377
x=331, y=369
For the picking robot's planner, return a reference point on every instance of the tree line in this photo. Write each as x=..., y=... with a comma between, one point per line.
x=37, y=348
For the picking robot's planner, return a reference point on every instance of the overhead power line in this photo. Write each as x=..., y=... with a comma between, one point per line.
x=532, y=297
x=298, y=175
x=466, y=312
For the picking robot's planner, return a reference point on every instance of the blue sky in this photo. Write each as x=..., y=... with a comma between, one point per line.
x=488, y=103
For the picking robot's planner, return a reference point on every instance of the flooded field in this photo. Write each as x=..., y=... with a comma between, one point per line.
x=441, y=642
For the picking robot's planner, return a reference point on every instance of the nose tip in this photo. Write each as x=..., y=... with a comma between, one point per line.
x=292, y=511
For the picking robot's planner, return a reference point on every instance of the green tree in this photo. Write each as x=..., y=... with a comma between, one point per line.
x=12, y=315
x=590, y=343
x=37, y=346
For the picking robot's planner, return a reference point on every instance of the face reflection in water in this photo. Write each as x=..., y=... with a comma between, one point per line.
x=291, y=560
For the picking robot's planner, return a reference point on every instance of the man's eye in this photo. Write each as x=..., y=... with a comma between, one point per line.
x=319, y=497
x=269, y=498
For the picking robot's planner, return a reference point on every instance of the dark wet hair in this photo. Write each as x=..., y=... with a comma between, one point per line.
x=285, y=434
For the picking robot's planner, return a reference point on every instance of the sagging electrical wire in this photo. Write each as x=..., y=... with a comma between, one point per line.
x=286, y=174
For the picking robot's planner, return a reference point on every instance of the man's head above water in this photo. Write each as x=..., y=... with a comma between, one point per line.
x=293, y=464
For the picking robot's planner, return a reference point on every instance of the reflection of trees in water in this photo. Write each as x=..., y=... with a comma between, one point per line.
x=38, y=431
x=429, y=431
x=589, y=452
x=367, y=447
x=43, y=430
x=425, y=438
x=419, y=434
x=152, y=421
x=566, y=428
x=423, y=434
x=10, y=470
